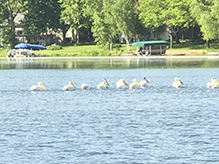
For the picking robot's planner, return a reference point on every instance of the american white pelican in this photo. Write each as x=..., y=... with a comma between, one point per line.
x=103, y=85
x=144, y=82
x=177, y=83
x=69, y=87
x=213, y=84
x=85, y=87
x=39, y=87
x=134, y=85
x=121, y=84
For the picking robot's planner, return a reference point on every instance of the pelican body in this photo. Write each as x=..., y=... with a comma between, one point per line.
x=103, y=85
x=177, y=83
x=144, y=82
x=69, y=87
x=85, y=87
x=121, y=84
x=134, y=85
x=213, y=84
x=39, y=87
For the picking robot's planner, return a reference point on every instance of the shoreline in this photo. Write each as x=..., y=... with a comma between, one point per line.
x=118, y=57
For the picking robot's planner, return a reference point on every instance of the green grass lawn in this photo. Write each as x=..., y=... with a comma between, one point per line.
x=82, y=50
x=214, y=47
x=94, y=50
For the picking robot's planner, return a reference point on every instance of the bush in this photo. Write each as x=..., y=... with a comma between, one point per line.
x=117, y=46
x=53, y=48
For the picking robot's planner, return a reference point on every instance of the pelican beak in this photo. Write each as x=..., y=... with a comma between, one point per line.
x=217, y=82
x=181, y=82
x=107, y=83
x=146, y=80
x=73, y=85
x=125, y=83
x=138, y=83
x=42, y=86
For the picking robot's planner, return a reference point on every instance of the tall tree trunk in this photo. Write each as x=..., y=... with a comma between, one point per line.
x=171, y=40
x=88, y=34
x=207, y=44
x=177, y=37
x=171, y=36
x=127, y=44
x=64, y=41
x=11, y=17
x=111, y=46
x=76, y=36
x=64, y=31
x=192, y=34
x=46, y=38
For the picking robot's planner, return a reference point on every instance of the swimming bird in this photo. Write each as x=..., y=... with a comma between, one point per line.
x=177, y=83
x=103, y=85
x=213, y=84
x=69, y=87
x=144, y=82
x=85, y=87
x=134, y=85
x=121, y=84
x=39, y=87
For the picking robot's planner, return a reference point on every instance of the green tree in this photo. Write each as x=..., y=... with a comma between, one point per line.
x=103, y=29
x=8, y=12
x=42, y=16
x=73, y=15
x=206, y=14
x=111, y=19
x=170, y=14
x=123, y=19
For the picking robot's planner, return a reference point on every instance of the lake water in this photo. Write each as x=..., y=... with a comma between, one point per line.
x=156, y=124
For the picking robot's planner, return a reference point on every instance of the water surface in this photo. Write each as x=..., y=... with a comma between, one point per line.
x=156, y=124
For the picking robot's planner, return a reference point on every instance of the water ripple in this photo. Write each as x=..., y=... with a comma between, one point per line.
x=156, y=124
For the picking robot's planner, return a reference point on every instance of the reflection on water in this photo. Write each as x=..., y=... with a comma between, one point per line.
x=110, y=62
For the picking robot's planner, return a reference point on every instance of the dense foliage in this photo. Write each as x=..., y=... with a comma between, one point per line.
x=106, y=20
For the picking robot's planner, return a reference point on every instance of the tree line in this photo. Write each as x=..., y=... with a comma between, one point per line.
x=105, y=20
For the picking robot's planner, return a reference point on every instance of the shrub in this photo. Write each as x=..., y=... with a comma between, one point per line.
x=53, y=48
x=117, y=46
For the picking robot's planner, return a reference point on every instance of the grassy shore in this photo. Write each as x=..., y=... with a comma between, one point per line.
x=94, y=50
x=82, y=50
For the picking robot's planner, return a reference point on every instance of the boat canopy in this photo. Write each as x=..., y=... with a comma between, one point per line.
x=30, y=46
x=149, y=43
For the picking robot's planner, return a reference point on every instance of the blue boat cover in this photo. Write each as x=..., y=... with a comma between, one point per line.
x=30, y=46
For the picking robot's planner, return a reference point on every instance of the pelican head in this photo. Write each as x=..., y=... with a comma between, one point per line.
x=41, y=85
x=84, y=86
x=106, y=82
x=216, y=81
x=71, y=84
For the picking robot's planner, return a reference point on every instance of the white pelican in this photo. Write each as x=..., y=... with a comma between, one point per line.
x=85, y=87
x=69, y=87
x=121, y=84
x=134, y=85
x=177, y=83
x=103, y=85
x=144, y=82
x=39, y=87
x=213, y=84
